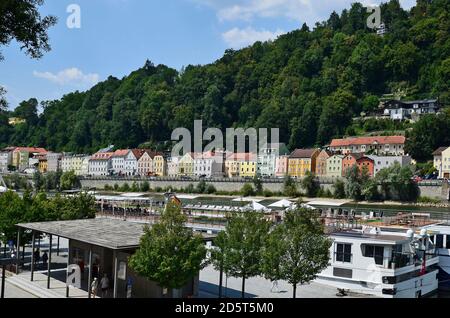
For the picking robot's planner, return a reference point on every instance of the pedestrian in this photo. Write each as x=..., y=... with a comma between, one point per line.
x=44, y=259
x=37, y=256
x=94, y=287
x=274, y=287
x=104, y=284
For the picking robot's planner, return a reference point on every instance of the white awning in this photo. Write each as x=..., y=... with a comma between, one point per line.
x=281, y=204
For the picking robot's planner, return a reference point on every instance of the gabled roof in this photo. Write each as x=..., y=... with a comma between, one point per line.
x=31, y=149
x=356, y=156
x=102, y=156
x=303, y=153
x=381, y=140
x=120, y=153
x=439, y=151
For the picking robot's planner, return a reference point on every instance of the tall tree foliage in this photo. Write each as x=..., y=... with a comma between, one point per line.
x=169, y=253
x=310, y=83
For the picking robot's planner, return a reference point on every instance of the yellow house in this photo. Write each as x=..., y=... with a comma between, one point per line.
x=248, y=166
x=43, y=163
x=186, y=165
x=446, y=163
x=159, y=166
x=302, y=161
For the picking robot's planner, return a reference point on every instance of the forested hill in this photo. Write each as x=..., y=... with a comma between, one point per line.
x=309, y=83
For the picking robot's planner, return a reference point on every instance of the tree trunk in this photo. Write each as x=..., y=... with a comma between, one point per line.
x=243, y=286
x=220, y=281
x=294, y=295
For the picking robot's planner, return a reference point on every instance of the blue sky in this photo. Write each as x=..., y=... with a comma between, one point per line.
x=117, y=36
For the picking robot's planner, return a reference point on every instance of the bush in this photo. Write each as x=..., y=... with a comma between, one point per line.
x=268, y=193
x=211, y=189
x=247, y=190
x=145, y=186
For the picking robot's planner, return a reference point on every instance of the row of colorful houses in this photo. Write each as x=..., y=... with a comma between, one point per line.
x=273, y=160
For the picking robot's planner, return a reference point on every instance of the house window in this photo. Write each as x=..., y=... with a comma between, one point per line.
x=343, y=253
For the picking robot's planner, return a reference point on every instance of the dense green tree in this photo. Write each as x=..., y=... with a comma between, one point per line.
x=69, y=180
x=305, y=252
x=243, y=240
x=169, y=253
x=21, y=21
x=310, y=184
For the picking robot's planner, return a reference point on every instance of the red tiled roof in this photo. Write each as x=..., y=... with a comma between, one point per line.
x=102, y=156
x=31, y=149
x=382, y=140
x=303, y=153
x=120, y=153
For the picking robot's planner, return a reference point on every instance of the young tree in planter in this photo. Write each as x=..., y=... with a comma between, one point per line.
x=169, y=253
x=306, y=252
x=244, y=235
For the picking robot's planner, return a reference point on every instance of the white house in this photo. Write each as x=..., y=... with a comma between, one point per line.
x=100, y=164
x=118, y=161
x=145, y=163
x=172, y=166
x=131, y=162
x=267, y=158
x=209, y=164
x=382, y=162
x=401, y=110
x=5, y=160
x=85, y=166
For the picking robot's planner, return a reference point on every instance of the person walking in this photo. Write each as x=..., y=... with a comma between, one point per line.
x=37, y=256
x=104, y=284
x=44, y=259
x=94, y=287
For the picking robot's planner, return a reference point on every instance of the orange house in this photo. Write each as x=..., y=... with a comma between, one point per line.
x=349, y=161
x=368, y=163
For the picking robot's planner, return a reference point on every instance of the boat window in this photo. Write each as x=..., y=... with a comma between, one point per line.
x=344, y=253
x=448, y=241
x=439, y=241
x=377, y=252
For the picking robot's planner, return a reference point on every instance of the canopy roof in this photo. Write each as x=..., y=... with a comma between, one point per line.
x=281, y=204
x=255, y=206
x=104, y=232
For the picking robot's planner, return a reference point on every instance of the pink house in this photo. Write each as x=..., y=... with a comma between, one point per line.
x=281, y=166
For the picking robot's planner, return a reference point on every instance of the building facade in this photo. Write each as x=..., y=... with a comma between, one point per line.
x=267, y=158
x=160, y=165
x=54, y=161
x=402, y=110
x=446, y=163
x=366, y=163
x=118, y=161
x=383, y=162
x=282, y=166
x=5, y=160
x=71, y=162
x=437, y=161
x=100, y=164
x=381, y=145
x=321, y=166
x=21, y=156
x=302, y=161
x=209, y=164
x=186, y=165
x=334, y=166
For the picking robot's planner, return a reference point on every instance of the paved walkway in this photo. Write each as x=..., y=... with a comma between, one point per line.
x=258, y=287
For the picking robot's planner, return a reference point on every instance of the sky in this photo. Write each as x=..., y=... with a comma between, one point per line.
x=115, y=37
